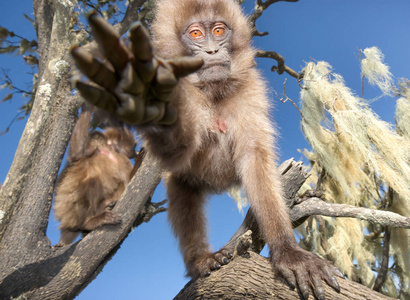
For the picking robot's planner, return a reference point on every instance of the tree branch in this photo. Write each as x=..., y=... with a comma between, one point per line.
x=131, y=15
x=316, y=206
x=384, y=267
x=250, y=276
x=260, y=7
x=281, y=67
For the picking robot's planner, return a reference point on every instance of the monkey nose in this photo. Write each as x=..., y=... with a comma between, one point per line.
x=212, y=51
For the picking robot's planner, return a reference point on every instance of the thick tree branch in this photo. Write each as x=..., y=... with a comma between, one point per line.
x=62, y=273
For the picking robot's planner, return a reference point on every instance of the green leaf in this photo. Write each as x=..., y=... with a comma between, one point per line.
x=8, y=97
x=30, y=19
x=4, y=33
x=24, y=46
x=8, y=49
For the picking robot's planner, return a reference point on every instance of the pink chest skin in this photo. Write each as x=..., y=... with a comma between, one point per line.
x=109, y=154
x=220, y=125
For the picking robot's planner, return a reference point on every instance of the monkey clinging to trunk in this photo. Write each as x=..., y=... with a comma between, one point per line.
x=97, y=172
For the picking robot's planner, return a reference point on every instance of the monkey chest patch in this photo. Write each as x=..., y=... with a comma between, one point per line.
x=219, y=125
x=109, y=154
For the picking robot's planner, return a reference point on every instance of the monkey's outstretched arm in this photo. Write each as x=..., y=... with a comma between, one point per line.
x=137, y=86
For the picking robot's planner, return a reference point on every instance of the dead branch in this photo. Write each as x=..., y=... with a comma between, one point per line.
x=316, y=206
x=259, y=9
x=281, y=67
x=384, y=267
x=286, y=99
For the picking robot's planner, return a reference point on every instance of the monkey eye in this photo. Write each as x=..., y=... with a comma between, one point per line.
x=196, y=33
x=219, y=31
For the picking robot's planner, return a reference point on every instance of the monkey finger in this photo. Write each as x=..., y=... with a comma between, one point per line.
x=130, y=83
x=98, y=97
x=288, y=276
x=302, y=280
x=109, y=41
x=165, y=83
x=183, y=66
x=154, y=112
x=141, y=46
x=318, y=288
x=170, y=115
x=330, y=279
x=146, y=70
x=93, y=69
x=131, y=108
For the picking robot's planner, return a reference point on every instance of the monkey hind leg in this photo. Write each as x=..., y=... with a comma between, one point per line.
x=67, y=237
x=108, y=217
x=186, y=214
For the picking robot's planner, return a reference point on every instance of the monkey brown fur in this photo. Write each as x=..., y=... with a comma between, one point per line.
x=98, y=170
x=219, y=135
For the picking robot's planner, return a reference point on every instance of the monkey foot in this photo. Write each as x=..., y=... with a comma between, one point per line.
x=209, y=262
x=111, y=218
x=305, y=270
x=307, y=195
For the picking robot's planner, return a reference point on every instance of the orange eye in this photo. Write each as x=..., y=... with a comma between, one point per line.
x=196, y=33
x=218, y=31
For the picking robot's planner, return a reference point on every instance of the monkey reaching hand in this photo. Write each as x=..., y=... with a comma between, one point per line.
x=98, y=170
x=202, y=108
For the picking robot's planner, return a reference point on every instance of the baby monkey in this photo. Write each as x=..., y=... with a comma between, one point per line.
x=97, y=172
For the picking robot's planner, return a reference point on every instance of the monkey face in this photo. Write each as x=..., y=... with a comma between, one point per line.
x=210, y=40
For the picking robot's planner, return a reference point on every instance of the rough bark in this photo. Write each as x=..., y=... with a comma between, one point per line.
x=250, y=276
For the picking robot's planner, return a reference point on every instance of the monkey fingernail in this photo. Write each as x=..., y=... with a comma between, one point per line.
x=339, y=273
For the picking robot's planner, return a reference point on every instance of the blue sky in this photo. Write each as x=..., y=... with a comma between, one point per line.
x=148, y=265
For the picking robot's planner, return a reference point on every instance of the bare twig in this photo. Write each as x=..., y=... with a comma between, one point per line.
x=281, y=67
x=259, y=8
x=384, y=267
x=287, y=98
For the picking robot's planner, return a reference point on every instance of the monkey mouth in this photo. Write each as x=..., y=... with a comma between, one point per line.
x=216, y=64
x=215, y=71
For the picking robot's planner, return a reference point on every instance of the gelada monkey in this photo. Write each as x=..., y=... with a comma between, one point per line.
x=202, y=108
x=98, y=170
